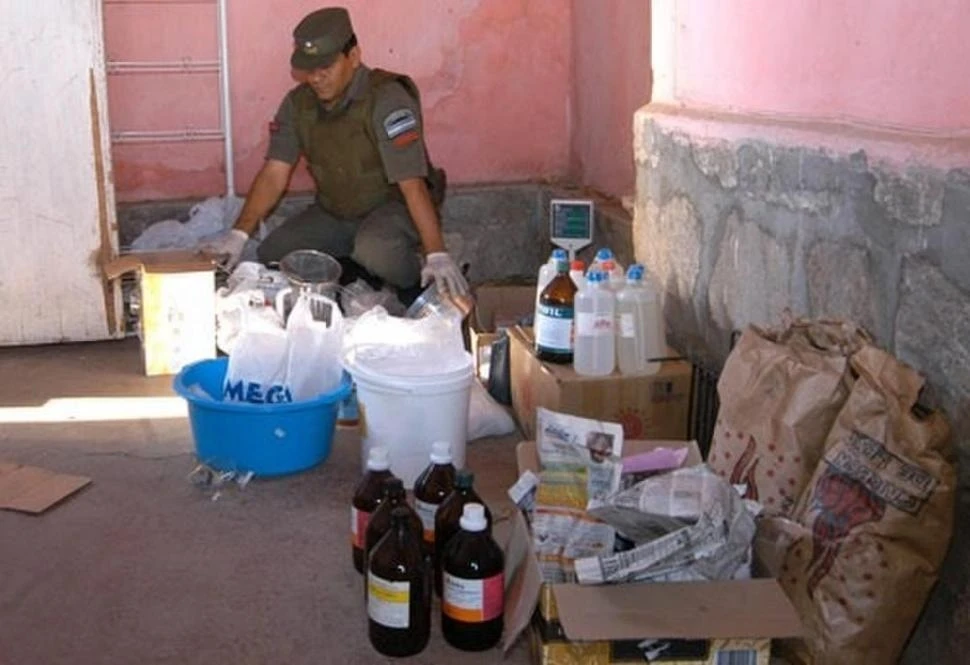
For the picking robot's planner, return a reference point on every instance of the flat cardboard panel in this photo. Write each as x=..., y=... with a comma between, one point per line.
x=500, y=306
x=497, y=307
x=30, y=489
x=744, y=608
x=655, y=406
x=523, y=580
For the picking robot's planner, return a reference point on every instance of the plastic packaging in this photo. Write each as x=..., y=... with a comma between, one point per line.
x=448, y=518
x=432, y=487
x=547, y=271
x=640, y=334
x=473, y=600
x=398, y=591
x=595, y=353
x=554, y=318
x=368, y=495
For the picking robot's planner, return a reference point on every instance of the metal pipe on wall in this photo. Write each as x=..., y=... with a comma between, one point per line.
x=225, y=102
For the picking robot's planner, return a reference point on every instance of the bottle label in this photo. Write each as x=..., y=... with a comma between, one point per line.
x=426, y=511
x=627, y=325
x=473, y=601
x=358, y=526
x=554, y=329
x=589, y=324
x=388, y=603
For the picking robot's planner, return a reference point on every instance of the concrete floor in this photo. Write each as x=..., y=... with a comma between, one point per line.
x=144, y=567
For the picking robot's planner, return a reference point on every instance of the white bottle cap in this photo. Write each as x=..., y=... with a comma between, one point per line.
x=441, y=452
x=473, y=517
x=378, y=459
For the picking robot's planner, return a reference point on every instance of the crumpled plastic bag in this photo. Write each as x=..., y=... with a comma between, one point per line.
x=206, y=219
x=486, y=417
x=359, y=297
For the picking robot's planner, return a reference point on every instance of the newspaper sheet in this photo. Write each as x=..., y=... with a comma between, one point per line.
x=579, y=461
x=689, y=525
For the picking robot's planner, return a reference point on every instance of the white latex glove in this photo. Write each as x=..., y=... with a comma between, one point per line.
x=440, y=267
x=227, y=247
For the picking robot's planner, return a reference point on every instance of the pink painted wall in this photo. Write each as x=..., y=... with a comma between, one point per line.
x=611, y=80
x=889, y=64
x=494, y=75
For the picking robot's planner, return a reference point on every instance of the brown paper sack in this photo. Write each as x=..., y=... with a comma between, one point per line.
x=780, y=392
x=874, y=522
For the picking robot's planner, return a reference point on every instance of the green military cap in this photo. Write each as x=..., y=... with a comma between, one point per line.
x=320, y=37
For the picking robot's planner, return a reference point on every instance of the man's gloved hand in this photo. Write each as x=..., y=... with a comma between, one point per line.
x=227, y=247
x=442, y=268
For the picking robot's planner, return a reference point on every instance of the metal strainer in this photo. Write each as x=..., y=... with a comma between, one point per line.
x=311, y=270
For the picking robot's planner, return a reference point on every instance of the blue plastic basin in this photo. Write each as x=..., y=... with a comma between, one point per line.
x=267, y=439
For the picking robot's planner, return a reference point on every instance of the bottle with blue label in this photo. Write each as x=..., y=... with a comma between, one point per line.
x=554, y=319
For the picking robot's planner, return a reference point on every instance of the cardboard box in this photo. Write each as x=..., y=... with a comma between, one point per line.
x=648, y=407
x=177, y=315
x=497, y=307
x=701, y=623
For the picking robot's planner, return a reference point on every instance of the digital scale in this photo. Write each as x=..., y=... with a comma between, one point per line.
x=571, y=224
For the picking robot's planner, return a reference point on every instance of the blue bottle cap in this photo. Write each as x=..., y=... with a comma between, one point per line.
x=559, y=254
x=604, y=253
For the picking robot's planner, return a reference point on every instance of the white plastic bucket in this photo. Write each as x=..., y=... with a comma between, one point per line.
x=406, y=412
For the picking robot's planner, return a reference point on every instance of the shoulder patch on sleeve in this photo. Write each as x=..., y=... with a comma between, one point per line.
x=399, y=121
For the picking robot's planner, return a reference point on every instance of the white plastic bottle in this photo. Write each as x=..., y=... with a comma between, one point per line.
x=605, y=261
x=595, y=351
x=546, y=272
x=615, y=279
x=577, y=272
x=603, y=254
x=640, y=334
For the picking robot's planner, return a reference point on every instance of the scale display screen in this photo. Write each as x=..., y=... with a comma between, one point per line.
x=571, y=223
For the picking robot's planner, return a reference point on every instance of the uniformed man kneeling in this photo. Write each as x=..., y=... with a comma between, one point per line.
x=361, y=131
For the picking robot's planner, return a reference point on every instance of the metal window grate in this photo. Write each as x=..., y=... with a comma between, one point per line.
x=704, y=405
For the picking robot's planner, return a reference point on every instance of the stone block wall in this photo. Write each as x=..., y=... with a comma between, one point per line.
x=740, y=229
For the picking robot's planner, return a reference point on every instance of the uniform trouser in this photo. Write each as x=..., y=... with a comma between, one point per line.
x=385, y=242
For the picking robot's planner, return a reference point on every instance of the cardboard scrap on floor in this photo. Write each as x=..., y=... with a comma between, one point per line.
x=30, y=489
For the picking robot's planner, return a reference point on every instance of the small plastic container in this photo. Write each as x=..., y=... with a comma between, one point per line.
x=595, y=353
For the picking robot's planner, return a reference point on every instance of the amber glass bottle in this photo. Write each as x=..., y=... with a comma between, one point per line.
x=367, y=496
x=432, y=487
x=554, y=318
x=398, y=590
x=473, y=602
x=446, y=521
x=380, y=519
